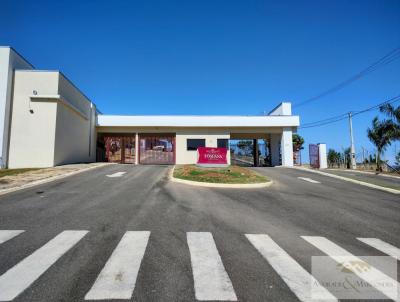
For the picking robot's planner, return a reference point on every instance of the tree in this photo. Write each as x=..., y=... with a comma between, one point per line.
x=347, y=157
x=398, y=159
x=379, y=134
x=333, y=158
x=393, y=124
x=246, y=146
x=298, y=142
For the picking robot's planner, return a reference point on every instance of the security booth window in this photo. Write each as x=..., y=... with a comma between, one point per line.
x=193, y=144
x=223, y=143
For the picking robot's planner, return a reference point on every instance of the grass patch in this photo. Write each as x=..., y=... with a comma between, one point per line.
x=10, y=172
x=228, y=175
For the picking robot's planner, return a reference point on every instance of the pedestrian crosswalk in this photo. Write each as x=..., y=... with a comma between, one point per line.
x=292, y=273
x=18, y=278
x=211, y=280
x=337, y=253
x=118, y=277
x=7, y=235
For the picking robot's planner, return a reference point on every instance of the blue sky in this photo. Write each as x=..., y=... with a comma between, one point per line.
x=216, y=57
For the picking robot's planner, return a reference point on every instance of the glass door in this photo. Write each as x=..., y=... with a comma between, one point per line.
x=157, y=149
x=129, y=150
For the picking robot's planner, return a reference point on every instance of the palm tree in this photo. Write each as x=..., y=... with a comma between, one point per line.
x=380, y=136
x=333, y=158
x=393, y=124
x=298, y=142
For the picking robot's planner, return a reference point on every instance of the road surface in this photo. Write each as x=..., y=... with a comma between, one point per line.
x=105, y=234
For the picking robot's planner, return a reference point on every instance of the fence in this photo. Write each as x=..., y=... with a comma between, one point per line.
x=242, y=153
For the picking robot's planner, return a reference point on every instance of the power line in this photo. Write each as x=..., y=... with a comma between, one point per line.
x=386, y=59
x=343, y=116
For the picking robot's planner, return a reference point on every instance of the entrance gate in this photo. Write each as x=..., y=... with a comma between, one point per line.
x=314, y=155
x=120, y=149
x=158, y=149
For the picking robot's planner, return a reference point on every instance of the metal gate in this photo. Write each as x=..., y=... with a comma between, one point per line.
x=314, y=155
x=120, y=149
x=157, y=149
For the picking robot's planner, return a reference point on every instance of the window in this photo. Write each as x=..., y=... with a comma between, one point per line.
x=223, y=143
x=193, y=144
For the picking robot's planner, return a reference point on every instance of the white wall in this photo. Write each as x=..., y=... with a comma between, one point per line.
x=75, y=131
x=33, y=134
x=9, y=61
x=287, y=147
x=190, y=157
x=61, y=128
x=284, y=109
x=323, y=158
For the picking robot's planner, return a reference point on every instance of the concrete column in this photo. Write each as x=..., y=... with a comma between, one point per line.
x=255, y=152
x=287, y=147
x=275, y=149
x=323, y=161
x=137, y=149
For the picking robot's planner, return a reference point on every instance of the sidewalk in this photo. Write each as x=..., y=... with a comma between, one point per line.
x=389, y=184
x=376, y=179
x=34, y=177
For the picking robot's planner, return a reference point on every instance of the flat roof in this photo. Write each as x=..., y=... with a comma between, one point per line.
x=196, y=121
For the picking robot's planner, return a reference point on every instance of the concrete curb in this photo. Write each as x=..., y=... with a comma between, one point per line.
x=366, y=172
x=217, y=185
x=49, y=179
x=362, y=183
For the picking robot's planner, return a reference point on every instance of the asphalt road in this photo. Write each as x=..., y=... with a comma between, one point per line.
x=143, y=199
x=377, y=179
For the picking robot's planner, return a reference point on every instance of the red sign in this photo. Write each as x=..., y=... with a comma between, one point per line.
x=207, y=156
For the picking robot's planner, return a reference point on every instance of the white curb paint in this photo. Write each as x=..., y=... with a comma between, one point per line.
x=336, y=253
x=367, y=172
x=382, y=246
x=309, y=180
x=7, y=235
x=363, y=183
x=292, y=273
x=118, y=278
x=217, y=185
x=18, y=278
x=117, y=174
x=211, y=281
x=50, y=179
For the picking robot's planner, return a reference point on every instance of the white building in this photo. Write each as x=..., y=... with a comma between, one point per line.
x=45, y=121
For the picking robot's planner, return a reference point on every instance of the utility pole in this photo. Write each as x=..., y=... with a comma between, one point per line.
x=353, y=164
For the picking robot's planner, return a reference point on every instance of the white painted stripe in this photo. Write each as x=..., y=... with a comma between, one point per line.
x=6, y=235
x=292, y=273
x=372, y=276
x=382, y=246
x=117, y=174
x=211, y=281
x=118, y=277
x=18, y=278
x=309, y=180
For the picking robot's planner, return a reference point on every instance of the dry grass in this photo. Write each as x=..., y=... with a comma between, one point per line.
x=228, y=175
x=10, y=172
